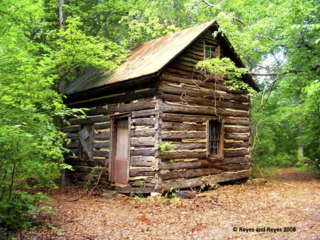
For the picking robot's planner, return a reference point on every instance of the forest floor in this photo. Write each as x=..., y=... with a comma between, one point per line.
x=286, y=207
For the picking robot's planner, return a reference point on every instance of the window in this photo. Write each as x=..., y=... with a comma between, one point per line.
x=86, y=142
x=215, y=131
x=209, y=51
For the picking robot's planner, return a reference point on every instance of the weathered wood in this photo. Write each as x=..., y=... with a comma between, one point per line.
x=237, y=167
x=98, y=153
x=185, y=68
x=202, y=92
x=183, y=135
x=189, y=173
x=142, y=142
x=143, y=113
x=236, y=153
x=142, y=161
x=238, y=136
x=102, y=136
x=71, y=129
x=172, y=117
x=182, y=99
x=188, y=165
x=241, y=122
x=89, y=120
x=228, y=129
x=105, y=125
x=101, y=145
x=222, y=177
x=77, y=161
x=170, y=108
x=190, y=146
x=148, y=132
x=175, y=155
x=142, y=152
x=144, y=121
x=129, y=107
x=73, y=136
x=235, y=160
x=166, y=126
x=73, y=145
x=236, y=144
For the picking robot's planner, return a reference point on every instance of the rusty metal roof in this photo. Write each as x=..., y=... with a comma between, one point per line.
x=147, y=59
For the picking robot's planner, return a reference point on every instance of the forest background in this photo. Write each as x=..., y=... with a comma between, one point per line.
x=44, y=44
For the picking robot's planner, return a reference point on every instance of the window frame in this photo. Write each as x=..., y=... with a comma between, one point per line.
x=220, y=153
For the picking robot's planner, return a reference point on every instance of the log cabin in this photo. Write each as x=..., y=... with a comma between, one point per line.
x=157, y=122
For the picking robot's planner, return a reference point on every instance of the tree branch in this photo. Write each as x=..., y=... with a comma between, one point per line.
x=315, y=67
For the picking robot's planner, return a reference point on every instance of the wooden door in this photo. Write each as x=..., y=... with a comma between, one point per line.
x=121, y=162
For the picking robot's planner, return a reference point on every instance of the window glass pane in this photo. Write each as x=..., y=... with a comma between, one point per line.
x=214, y=134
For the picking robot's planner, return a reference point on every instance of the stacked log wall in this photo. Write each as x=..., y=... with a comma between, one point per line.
x=144, y=112
x=190, y=99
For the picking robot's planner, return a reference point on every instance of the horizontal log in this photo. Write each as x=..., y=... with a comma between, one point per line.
x=149, y=132
x=142, y=161
x=190, y=146
x=143, y=113
x=172, y=117
x=188, y=165
x=175, y=155
x=236, y=153
x=98, y=153
x=102, y=136
x=185, y=68
x=207, y=93
x=194, y=52
x=187, y=100
x=73, y=136
x=222, y=177
x=129, y=107
x=237, y=167
x=71, y=129
x=192, y=55
x=170, y=108
x=104, y=125
x=234, y=160
x=144, y=121
x=183, y=135
x=189, y=173
x=236, y=144
x=133, y=171
x=238, y=136
x=73, y=145
x=179, y=73
x=77, y=161
x=90, y=120
x=241, y=122
x=142, y=152
x=101, y=145
x=143, y=142
x=228, y=129
x=166, y=126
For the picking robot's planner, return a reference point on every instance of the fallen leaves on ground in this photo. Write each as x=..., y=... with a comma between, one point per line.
x=290, y=202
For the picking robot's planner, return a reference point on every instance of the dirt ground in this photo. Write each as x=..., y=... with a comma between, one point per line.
x=286, y=207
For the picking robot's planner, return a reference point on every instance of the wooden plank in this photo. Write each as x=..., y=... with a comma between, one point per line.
x=144, y=121
x=101, y=145
x=142, y=161
x=89, y=120
x=190, y=146
x=71, y=129
x=238, y=136
x=200, y=101
x=102, y=136
x=166, y=126
x=143, y=113
x=173, y=117
x=236, y=144
x=170, y=108
x=148, y=132
x=207, y=93
x=98, y=153
x=189, y=173
x=236, y=153
x=240, y=122
x=175, y=155
x=183, y=135
x=104, y=125
x=236, y=130
x=188, y=165
x=142, y=142
x=73, y=136
x=233, y=160
x=142, y=152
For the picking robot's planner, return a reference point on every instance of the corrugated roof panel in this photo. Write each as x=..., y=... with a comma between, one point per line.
x=149, y=58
